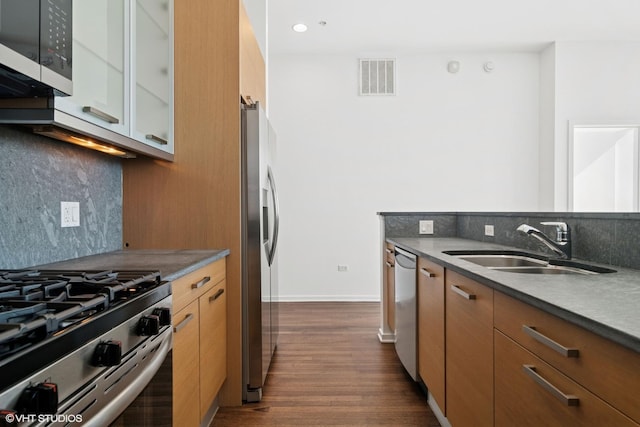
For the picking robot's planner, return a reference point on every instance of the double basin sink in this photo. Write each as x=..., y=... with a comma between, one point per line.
x=527, y=263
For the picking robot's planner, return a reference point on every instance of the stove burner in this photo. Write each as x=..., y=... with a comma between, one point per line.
x=37, y=304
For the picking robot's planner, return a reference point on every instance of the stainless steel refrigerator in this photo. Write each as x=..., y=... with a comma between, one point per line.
x=260, y=224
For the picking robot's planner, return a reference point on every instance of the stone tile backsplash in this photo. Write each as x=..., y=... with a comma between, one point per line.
x=36, y=174
x=607, y=238
x=406, y=225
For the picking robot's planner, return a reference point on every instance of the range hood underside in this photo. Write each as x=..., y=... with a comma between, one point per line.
x=65, y=127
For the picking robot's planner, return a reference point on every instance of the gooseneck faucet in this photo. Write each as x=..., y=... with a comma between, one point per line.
x=561, y=245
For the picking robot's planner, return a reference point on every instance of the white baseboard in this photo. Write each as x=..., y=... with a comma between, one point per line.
x=328, y=298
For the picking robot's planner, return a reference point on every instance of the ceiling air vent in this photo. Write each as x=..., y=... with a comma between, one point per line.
x=377, y=77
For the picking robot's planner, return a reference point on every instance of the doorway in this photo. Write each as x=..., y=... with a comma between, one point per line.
x=603, y=168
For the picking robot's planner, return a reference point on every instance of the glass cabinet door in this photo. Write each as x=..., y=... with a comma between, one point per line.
x=153, y=73
x=99, y=64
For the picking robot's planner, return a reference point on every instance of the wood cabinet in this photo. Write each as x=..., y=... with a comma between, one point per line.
x=390, y=286
x=195, y=202
x=213, y=344
x=530, y=392
x=572, y=359
x=469, y=351
x=199, y=342
x=186, y=366
x=508, y=363
x=431, y=329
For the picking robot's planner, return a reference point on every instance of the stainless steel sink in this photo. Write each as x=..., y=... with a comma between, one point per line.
x=503, y=260
x=526, y=263
x=550, y=269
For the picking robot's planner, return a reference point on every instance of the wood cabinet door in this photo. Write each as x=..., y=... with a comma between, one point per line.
x=389, y=271
x=213, y=344
x=530, y=392
x=469, y=355
x=431, y=341
x=186, y=367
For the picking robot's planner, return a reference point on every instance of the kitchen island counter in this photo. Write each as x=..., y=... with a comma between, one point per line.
x=605, y=304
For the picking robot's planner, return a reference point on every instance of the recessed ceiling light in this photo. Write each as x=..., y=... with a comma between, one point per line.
x=299, y=28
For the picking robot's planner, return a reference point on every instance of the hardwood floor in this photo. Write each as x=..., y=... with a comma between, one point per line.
x=331, y=370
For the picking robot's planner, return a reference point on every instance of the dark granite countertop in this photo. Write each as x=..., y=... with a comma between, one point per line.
x=172, y=264
x=606, y=304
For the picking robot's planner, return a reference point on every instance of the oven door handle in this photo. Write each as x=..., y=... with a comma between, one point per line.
x=183, y=323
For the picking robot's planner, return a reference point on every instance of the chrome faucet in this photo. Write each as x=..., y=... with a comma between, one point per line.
x=562, y=243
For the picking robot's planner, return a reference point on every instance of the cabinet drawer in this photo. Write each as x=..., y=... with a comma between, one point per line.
x=605, y=368
x=525, y=395
x=196, y=283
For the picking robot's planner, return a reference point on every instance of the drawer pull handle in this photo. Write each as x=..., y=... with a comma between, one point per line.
x=462, y=293
x=389, y=264
x=427, y=273
x=389, y=251
x=182, y=324
x=217, y=295
x=567, y=399
x=566, y=352
x=100, y=114
x=201, y=283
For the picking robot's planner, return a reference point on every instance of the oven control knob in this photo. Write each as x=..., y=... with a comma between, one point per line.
x=164, y=313
x=39, y=399
x=149, y=325
x=108, y=353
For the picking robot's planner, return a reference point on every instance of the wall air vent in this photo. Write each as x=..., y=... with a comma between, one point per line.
x=377, y=77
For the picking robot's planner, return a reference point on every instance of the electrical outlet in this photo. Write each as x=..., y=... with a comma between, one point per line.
x=69, y=214
x=426, y=227
x=342, y=268
x=488, y=230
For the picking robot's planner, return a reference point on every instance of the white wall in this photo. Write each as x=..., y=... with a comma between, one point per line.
x=596, y=82
x=466, y=141
x=257, y=13
x=547, y=127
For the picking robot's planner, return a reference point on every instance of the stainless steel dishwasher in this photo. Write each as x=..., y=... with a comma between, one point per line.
x=406, y=313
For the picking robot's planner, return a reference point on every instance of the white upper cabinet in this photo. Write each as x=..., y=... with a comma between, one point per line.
x=153, y=96
x=123, y=68
x=99, y=65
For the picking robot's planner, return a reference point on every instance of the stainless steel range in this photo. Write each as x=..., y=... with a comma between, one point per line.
x=76, y=348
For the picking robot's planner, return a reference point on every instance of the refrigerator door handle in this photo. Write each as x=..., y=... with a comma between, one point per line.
x=276, y=216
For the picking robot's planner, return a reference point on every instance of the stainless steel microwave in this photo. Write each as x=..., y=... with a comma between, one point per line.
x=35, y=48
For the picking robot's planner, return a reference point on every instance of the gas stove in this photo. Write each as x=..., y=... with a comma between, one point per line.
x=93, y=322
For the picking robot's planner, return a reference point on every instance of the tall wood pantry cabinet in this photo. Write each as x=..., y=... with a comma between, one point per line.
x=194, y=202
